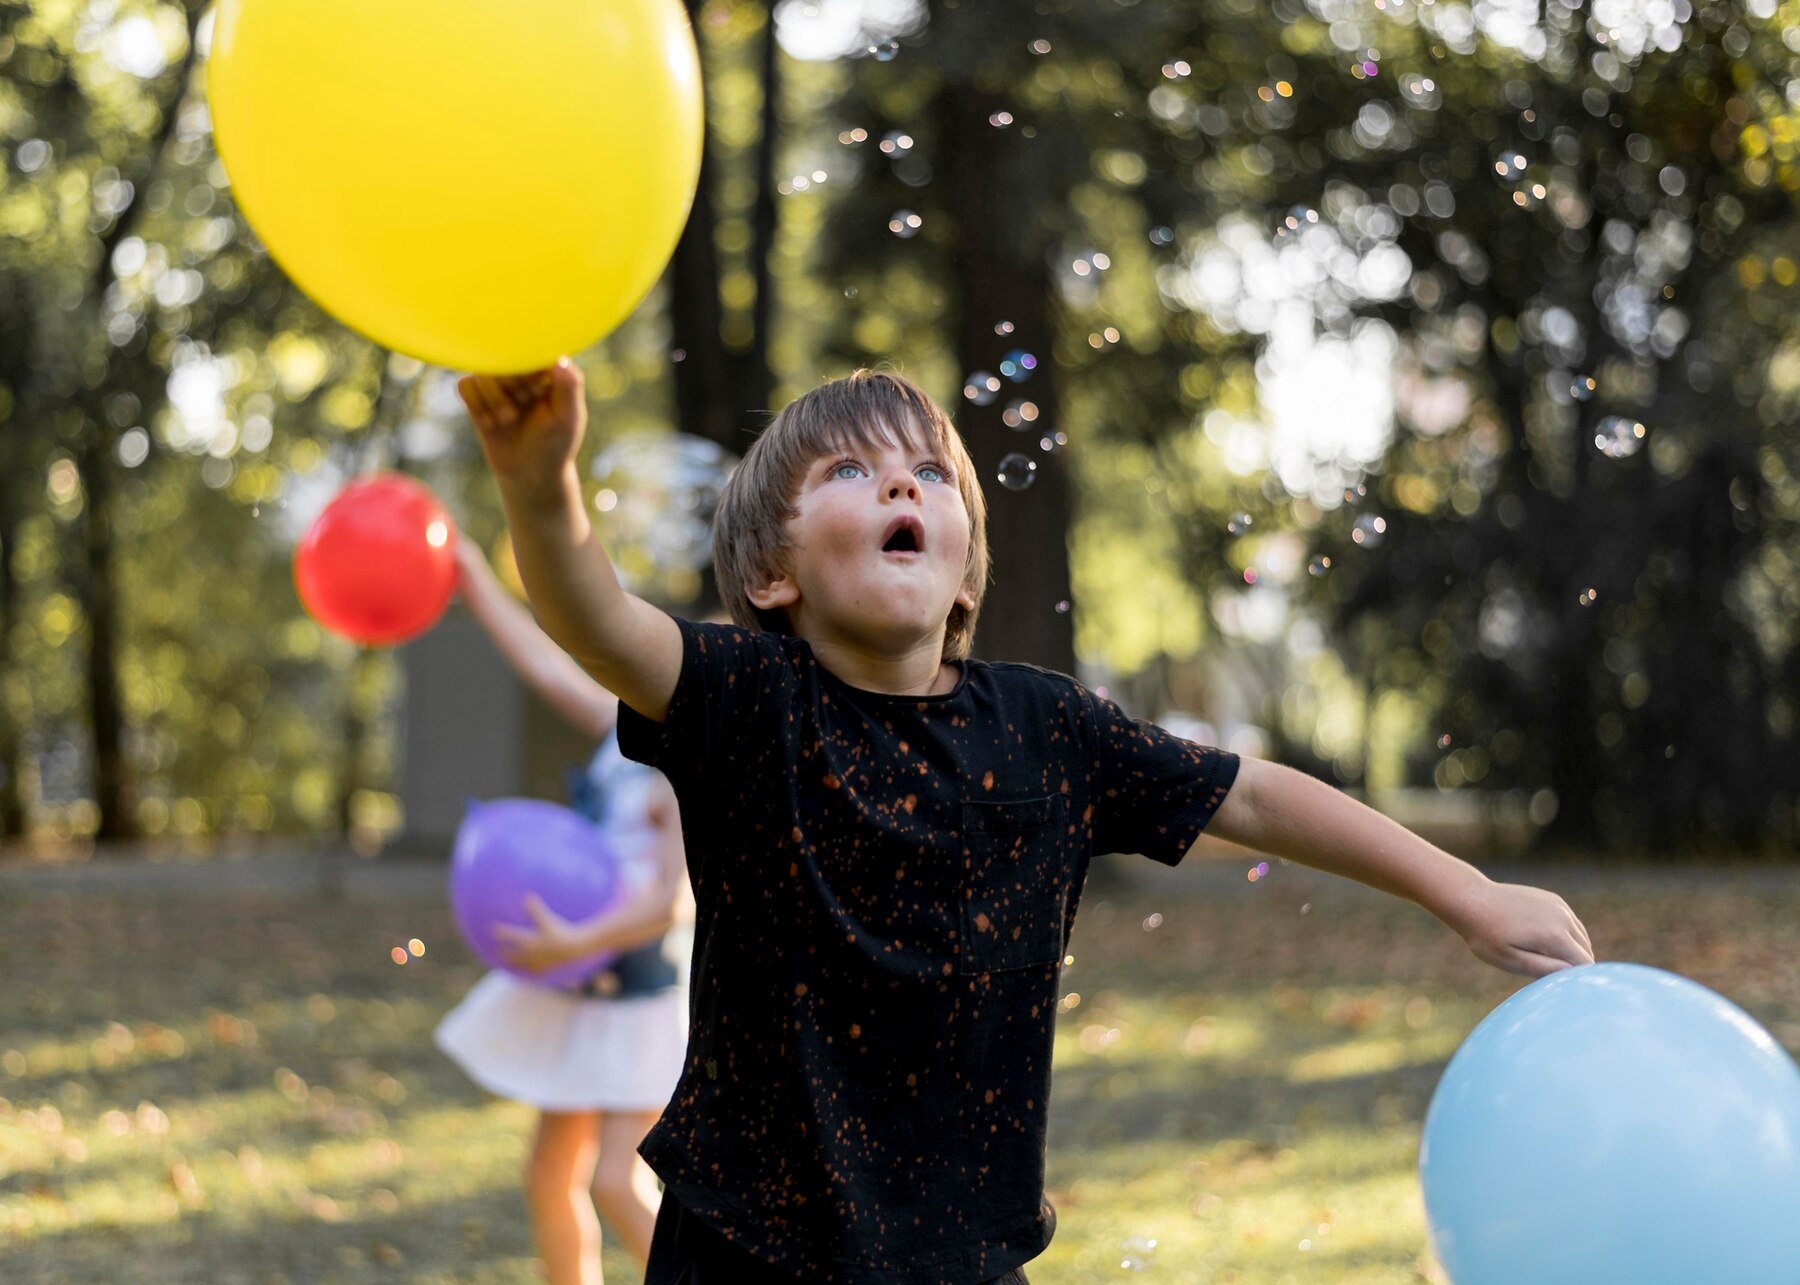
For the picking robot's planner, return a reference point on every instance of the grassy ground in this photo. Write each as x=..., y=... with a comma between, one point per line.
x=233, y=1085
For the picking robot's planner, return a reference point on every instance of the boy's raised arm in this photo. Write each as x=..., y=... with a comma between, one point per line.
x=1285, y=813
x=530, y=427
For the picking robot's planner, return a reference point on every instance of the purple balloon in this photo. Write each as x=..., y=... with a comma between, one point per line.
x=511, y=847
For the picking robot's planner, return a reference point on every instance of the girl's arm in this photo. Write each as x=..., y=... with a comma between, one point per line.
x=553, y=940
x=1285, y=813
x=531, y=426
x=545, y=667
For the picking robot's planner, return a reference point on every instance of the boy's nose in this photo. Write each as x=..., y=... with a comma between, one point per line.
x=909, y=489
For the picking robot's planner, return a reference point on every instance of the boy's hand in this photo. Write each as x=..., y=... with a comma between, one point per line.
x=530, y=425
x=1522, y=929
x=551, y=940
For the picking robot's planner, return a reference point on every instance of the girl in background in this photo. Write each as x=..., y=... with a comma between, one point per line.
x=598, y=1061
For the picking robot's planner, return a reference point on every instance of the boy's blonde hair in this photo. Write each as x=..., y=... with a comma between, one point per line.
x=863, y=410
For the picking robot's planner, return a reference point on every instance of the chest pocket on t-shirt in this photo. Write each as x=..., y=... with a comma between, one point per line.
x=1014, y=871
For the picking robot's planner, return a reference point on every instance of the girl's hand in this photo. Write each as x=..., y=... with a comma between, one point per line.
x=551, y=940
x=470, y=561
x=1522, y=929
x=530, y=425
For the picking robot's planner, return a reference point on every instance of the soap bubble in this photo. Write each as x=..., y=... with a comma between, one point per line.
x=1617, y=436
x=905, y=224
x=884, y=50
x=1369, y=530
x=1017, y=365
x=1019, y=413
x=1017, y=472
x=1296, y=221
x=1137, y=1253
x=981, y=387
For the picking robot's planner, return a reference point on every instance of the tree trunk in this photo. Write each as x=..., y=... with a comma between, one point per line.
x=12, y=765
x=1004, y=276
x=114, y=786
x=721, y=393
x=15, y=374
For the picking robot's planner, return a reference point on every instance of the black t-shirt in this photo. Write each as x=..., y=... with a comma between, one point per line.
x=884, y=888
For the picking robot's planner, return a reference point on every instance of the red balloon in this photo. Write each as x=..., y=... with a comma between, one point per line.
x=377, y=566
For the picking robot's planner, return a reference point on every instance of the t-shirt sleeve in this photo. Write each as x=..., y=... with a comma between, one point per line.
x=1153, y=791
x=728, y=678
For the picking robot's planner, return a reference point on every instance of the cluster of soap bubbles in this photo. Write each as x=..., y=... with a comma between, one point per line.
x=658, y=491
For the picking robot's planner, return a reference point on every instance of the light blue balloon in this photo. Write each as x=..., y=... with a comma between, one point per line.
x=1616, y=1125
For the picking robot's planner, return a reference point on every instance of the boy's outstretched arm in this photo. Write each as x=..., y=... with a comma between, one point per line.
x=530, y=427
x=1285, y=813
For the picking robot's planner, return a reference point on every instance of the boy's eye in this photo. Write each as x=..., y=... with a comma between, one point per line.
x=847, y=469
x=931, y=473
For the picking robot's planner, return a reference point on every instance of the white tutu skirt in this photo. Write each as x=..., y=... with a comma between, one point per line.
x=559, y=1051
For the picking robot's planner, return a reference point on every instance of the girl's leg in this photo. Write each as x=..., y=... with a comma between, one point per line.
x=624, y=1187
x=556, y=1187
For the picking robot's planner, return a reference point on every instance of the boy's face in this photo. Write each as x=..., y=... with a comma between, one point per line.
x=877, y=548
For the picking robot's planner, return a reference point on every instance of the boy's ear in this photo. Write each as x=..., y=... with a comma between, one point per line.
x=965, y=598
x=775, y=591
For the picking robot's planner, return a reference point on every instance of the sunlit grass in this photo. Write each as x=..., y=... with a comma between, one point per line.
x=228, y=1088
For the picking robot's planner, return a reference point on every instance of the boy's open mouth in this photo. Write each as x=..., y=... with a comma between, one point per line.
x=905, y=534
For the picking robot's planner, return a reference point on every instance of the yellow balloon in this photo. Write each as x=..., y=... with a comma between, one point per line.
x=484, y=184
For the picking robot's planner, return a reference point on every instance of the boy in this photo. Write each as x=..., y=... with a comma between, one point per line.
x=887, y=841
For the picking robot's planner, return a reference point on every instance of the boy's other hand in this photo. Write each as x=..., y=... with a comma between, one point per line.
x=530, y=425
x=551, y=939
x=1522, y=929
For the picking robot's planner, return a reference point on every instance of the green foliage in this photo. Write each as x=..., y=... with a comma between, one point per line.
x=1178, y=205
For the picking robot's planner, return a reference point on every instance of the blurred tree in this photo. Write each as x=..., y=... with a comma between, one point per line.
x=1008, y=176
x=721, y=286
x=1546, y=224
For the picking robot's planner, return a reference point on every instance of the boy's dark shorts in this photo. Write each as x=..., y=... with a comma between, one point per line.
x=685, y=1251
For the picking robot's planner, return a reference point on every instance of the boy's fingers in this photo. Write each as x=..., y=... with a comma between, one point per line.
x=475, y=397
x=523, y=391
x=471, y=398
x=539, y=912
x=1532, y=964
x=565, y=389
x=500, y=407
